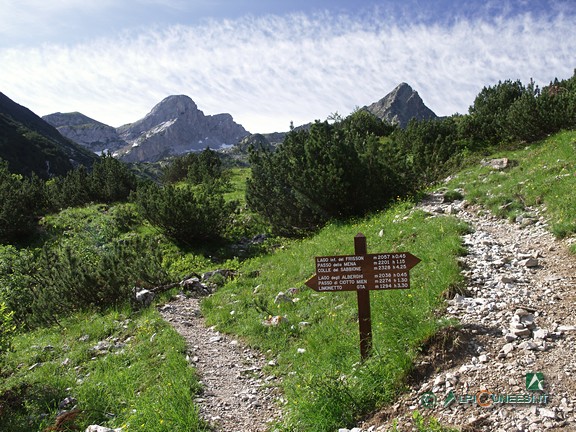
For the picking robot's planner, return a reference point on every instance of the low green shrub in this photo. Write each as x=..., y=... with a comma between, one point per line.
x=7, y=328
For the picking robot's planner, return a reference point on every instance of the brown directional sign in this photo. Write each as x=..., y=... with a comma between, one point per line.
x=363, y=272
x=359, y=272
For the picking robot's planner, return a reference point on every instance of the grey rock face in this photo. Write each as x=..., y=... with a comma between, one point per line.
x=177, y=126
x=400, y=106
x=95, y=136
x=174, y=126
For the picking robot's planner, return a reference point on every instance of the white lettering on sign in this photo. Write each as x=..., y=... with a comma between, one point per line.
x=351, y=269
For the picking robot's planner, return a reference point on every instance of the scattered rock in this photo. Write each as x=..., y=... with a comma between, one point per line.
x=566, y=329
x=145, y=297
x=514, y=301
x=96, y=428
x=224, y=273
x=237, y=395
x=528, y=345
x=497, y=164
x=530, y=262
x=282, y=298
x=274, y=320
x=548, y=413
x=540, y=334
x=67, y=403
x=194, y=288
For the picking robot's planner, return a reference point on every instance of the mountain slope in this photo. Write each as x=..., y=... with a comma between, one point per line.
x=94, y=135
x=30, y=145
x=400, y=106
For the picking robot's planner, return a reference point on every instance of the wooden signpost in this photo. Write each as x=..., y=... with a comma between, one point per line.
x=363, y=272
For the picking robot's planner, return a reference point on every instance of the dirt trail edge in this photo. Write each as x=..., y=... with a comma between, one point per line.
x=237, y=395
x=510, y=364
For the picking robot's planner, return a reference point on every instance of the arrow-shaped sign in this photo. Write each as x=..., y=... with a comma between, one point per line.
x=363, y=272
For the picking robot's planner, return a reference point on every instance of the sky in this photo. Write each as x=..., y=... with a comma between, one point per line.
x=272, y=62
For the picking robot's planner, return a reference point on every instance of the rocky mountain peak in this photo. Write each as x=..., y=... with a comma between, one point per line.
x=400, y=106
x=177, y=126
x=175, y=105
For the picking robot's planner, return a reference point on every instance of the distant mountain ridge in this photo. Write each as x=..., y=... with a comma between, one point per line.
x=398, y=107
x=176, y=126
x=173, y=126
x=31, y=145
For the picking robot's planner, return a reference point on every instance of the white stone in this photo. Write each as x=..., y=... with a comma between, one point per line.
x=548, y=413
x=540, y=334
x=529, y=262
x=528, y=345
x=96, y=428
x=510, y=337
x=282, y=298
x=521, y=332
x=145, y=297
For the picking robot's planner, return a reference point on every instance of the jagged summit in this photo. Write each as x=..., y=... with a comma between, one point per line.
x=179, y=104
x=400, y=106
x=174, y=126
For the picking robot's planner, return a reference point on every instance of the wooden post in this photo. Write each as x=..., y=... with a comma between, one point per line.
x=363, y=272
x=364, y=320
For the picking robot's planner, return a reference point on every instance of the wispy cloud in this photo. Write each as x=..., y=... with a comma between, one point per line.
x=270, y=70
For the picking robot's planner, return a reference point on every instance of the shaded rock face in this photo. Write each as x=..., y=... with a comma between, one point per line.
x=95, y=136
x=400, y=106
x=176, y=126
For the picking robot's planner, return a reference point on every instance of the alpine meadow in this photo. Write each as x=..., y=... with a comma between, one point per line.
x=95, y=249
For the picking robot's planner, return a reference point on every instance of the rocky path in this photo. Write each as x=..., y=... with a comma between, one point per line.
x=517, y=317
x=237, y=396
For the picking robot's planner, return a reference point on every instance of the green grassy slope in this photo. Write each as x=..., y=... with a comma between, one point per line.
x=138, y=380
x=147, y=385
x=542, y=175
x=30, y=145
x=316, y=342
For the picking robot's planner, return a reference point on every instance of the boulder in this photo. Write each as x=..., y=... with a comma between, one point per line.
x=145, y=297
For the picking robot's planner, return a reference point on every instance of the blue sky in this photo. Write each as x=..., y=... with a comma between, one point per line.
x=269, y=62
